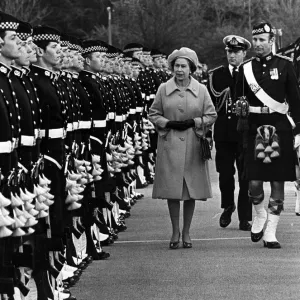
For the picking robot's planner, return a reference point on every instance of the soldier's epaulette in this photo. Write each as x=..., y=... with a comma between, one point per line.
x=217, y=68
x=244, y=62
x=284, y=57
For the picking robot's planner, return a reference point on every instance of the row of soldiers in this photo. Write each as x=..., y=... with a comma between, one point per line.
x=74, y=143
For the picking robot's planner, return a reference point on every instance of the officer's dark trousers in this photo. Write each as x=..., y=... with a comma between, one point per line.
x=227, y=154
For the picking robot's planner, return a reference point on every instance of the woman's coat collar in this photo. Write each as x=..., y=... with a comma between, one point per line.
x=193, y=86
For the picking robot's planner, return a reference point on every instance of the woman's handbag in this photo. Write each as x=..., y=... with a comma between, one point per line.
x=204, y=144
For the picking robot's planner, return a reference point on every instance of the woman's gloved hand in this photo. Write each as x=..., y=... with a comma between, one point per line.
x=177, y=125
x=189, y=123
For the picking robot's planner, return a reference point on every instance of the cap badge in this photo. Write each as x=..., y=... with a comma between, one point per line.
x=267, y=28
x=233, y=41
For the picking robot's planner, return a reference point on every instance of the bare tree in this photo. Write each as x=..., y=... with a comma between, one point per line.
x=33, y=11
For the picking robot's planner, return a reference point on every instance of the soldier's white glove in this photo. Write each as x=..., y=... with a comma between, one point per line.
x=297, y=144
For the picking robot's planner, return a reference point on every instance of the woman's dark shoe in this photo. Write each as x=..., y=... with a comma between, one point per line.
x=272, y=245
x=175, y=245
x=186, y=245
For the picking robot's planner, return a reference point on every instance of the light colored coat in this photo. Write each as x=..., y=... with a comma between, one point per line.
x=179, y=152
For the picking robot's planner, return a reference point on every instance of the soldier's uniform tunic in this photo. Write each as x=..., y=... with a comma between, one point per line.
x=276, y=76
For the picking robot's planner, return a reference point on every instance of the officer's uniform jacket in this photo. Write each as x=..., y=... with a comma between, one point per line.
x=85, y=123
x=91, y=83
x=10, y=121
x=276, y=76
x=221, y=87
x=35, y=105
x=28, y=124
x=53, y=112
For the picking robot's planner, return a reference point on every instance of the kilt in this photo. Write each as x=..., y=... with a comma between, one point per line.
x=281, y=168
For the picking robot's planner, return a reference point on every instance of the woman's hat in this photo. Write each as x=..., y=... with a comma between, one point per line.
x=183, y=52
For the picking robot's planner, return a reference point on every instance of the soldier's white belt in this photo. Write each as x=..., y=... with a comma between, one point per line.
x=111, y=115
x=152, y=96
x=261, y=110
x=6, y=147
x=139, y=109
x=37, y=133
x=132, y=111
x=58, y=133
x=75, y=125
x=147, y=98
x=70, y=127
x=53, y=161
x=143, y=95
x=27, y=140
x=124, y=117
x=85, y=124
x=99, y=123
x=15, y=143
x=119, y=118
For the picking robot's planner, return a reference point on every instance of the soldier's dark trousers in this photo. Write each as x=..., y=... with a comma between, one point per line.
x=227, y=155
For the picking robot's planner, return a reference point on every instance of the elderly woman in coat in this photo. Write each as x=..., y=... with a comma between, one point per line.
x=181, y=110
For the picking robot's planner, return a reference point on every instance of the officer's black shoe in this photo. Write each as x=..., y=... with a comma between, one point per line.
x=225, y=218
x=272, y=245
x=245, y=225
x=255, y=237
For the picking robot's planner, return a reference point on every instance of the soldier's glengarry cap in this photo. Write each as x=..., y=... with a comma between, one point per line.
x=24, y=31
x=74, y=43
x=45, y=33
x=90, y=46
x=183, y=52
x=155, y=53
x=113, y=52
x=8, y=22
x=64, y=40
x=132, y=47
x=235, y=42
x=263, y=27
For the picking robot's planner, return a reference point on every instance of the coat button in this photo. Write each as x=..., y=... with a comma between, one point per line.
x=182, y=138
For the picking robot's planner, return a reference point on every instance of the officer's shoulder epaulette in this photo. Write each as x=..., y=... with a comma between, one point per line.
x=217, y=68
x=284, y=57
x=247, y=60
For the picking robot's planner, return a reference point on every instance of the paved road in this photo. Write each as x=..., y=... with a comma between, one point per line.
x=223, y=263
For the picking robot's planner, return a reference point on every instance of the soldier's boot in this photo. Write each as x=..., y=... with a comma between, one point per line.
x=275, y=208
x=260, y=218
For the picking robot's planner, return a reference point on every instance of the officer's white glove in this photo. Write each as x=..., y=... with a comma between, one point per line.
x=297, y=144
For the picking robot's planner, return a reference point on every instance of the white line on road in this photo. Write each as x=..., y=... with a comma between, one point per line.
x=158, y=241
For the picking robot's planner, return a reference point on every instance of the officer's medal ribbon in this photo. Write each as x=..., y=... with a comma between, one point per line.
x=274, y=74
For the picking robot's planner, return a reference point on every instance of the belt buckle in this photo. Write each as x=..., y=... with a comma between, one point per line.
x=265, y=110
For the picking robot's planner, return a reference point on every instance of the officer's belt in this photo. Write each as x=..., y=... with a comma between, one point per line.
x=75, y=125
x=70, y=127
x=37, y=133
x=99, y=123
x=27, y=140
x=261, y=110
x=58, y=133
x=111, y=116
x=47, y=157
x=139, y=109
x=85, y=124
x=119, y=118
x=132, y=111
x=6, y=147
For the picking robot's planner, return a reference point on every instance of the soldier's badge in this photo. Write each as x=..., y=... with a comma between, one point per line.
x=274, y=74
